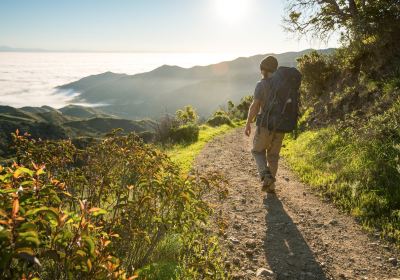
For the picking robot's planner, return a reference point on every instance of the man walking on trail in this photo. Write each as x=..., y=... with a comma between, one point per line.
x=275, y=105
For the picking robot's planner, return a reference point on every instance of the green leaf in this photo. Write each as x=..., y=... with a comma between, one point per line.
x=97, y=211
x=8, y=191
x=90, y=244
x=50, y=213
x=29, y=238
x=26, y=183
x=27, y=227
x=81, y=253
x=23, y=170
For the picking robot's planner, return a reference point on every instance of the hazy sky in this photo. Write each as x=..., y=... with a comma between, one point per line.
x=237, y=26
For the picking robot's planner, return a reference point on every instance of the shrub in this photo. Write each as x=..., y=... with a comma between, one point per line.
x=239, y=111
x=164, y=128
x=41, y=235
x=219, y=119
x=188, y=133
x=102, y=212
x=186, y=115
x=319, y=75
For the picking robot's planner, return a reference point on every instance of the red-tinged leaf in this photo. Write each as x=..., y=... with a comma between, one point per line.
x=34, y=165
x=83, y=222
x=82, y=205
x=4, y=222
x=55, y=182
x=15, y=208
x=17, y=132
x=67, y=194
x=39, y=172
x=63, y=217
x=61, y=186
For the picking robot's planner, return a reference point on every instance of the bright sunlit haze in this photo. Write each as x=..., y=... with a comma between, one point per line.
x=235, y=26
x=97, y=36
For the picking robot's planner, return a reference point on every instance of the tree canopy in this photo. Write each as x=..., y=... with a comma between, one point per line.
x=355, y=18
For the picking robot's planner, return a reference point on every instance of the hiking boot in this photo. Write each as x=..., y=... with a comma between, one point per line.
x=268, y=184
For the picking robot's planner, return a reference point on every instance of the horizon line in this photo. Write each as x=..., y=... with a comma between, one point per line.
x=5, y=49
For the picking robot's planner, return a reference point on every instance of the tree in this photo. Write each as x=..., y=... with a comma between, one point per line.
x=367, y=28
x=355, y=18
x=186, y=115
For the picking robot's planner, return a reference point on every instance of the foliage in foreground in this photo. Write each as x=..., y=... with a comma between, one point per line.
x=116, y=208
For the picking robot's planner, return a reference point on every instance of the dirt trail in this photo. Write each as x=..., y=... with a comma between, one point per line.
x=293, y=235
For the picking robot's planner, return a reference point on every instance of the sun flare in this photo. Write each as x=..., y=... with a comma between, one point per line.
x=231, y=11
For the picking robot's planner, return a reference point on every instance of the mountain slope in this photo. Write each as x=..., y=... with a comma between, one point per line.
x=68, y=122
x=168, y=88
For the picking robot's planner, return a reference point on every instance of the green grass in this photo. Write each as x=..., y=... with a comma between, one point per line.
x=184, y=155
x=308, y=160
x=357, y=168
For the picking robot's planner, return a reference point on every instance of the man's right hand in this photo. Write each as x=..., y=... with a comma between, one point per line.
x=247, y=130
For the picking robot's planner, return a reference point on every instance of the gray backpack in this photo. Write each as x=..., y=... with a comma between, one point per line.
x=282, y=97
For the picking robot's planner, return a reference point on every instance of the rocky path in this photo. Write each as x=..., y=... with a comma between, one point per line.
x=293, y=234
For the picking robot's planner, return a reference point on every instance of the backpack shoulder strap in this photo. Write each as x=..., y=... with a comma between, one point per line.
x=266, y=85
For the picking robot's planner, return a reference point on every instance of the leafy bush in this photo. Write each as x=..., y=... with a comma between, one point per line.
x=188, y=133
x=239, y=111
x=186, y=115
x=181, y=128
x=219, y=118
x=102, y=212
x=319, y=75
x=164, y=128
x=41, y=235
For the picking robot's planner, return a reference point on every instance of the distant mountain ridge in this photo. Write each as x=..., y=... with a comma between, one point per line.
x=11, y=49
x=167, y=88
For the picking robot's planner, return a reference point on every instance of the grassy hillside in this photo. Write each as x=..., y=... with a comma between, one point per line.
x=348, y=146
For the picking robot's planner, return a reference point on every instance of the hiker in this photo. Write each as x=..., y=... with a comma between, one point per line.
x=275, y=106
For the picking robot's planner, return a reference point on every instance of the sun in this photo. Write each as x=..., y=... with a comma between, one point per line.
x=231, y=11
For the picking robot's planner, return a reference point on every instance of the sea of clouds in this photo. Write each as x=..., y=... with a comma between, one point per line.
x=30, y=79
